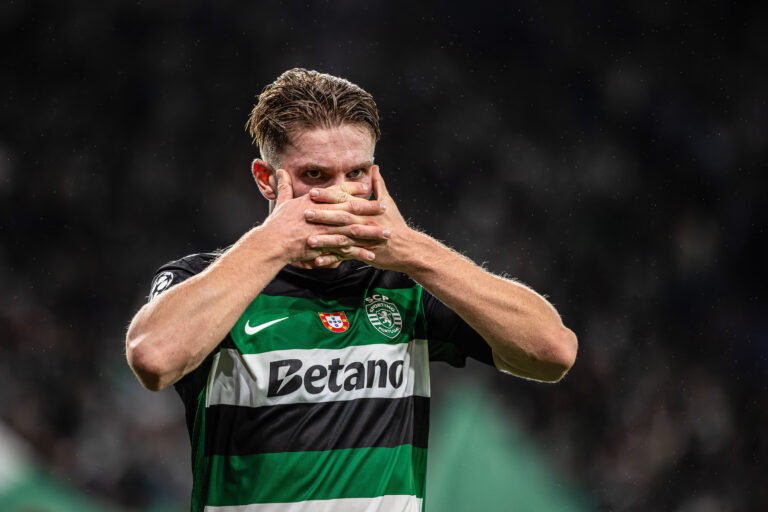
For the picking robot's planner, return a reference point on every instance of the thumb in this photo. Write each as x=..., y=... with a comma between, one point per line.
x=284, y=187
x=379, y=188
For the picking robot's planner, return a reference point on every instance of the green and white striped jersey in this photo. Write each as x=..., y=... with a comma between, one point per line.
x=318, y=399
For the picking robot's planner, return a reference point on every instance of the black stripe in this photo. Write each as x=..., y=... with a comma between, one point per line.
x=362, y=423
x=345, y=282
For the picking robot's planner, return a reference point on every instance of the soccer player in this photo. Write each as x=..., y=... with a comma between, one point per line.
x=302, y=352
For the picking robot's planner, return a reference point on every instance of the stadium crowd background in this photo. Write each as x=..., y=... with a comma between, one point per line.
x=611, y=156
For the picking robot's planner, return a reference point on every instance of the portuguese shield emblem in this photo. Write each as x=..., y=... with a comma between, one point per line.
x=384, y=315
x=335, y=322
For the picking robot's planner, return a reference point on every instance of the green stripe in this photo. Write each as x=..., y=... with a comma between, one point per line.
x=334, y=474
x=304, y=330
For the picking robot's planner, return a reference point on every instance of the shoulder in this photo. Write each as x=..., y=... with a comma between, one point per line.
x=177, y=271
x=192, y=263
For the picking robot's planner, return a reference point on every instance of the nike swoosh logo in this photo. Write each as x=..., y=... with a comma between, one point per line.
x=253, y=330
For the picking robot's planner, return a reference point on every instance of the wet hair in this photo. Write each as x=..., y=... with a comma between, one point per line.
x=301, y=98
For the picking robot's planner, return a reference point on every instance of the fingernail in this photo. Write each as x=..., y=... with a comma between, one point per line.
x=382, y=206
x=310, y=214
x=365, y=187
x=321, y=261
x=314, y=193
x=312, y=241
x=370, y=256
x=386, y=233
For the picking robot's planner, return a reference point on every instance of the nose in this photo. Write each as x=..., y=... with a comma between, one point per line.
x=337, y=179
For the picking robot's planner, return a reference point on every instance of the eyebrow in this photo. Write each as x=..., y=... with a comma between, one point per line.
x=321, y=167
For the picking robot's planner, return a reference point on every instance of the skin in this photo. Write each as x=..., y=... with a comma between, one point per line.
x=319, y=216
x=341, y=160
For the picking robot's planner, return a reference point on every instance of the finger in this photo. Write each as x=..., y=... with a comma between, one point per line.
x=347, y=191
x=327, y=259
x=341, y=244
x=356, y=253
x=329, y=195
x=309, y=255
x=331, y=217
x=348, y=213
x=379, y=188
x=356, y=188
x=360, y=232
x=329, y=241
x=284, y=187
x=365, y=207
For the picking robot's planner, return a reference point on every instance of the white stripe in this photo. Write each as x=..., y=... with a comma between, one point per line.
x=395, y=503
x=243, y=379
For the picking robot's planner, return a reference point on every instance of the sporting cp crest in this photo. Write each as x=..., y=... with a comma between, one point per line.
x=335, y=322
x=383, y=315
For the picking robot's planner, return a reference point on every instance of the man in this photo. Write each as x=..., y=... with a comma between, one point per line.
x=302, y=352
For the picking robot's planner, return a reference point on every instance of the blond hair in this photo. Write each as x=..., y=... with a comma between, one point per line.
x=301, y=98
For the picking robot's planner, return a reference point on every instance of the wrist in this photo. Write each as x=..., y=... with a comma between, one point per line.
x=420, y=254
x=269, y=244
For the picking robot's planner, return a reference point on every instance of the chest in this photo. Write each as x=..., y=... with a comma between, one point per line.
x=371, y=317
x=299, y=350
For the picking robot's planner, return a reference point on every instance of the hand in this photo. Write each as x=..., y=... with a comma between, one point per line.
x=349, y=217
x=305, y=241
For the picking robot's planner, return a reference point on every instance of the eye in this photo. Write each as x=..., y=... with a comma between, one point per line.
x=357, y=173
x=313, y=174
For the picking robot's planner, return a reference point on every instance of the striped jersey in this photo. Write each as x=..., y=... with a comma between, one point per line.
x=318, y=398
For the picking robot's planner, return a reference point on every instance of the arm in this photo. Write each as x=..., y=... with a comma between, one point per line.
x=173, y=334
x=524, y=331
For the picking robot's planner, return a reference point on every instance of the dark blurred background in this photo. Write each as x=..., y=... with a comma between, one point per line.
x=612, y=156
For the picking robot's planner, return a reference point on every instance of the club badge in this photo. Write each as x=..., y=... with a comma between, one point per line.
x=335, y=322
x=383, y=315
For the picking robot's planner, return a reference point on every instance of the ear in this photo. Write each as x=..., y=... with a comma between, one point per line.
x=265, y=178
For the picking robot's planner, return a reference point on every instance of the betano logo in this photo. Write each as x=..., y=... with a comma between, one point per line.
x=284, y=376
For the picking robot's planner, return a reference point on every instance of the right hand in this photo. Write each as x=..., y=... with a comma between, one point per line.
x=305, y=241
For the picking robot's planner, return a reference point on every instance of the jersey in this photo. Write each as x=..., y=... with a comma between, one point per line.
x=318, y=398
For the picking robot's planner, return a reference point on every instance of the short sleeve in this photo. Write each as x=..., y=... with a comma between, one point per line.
x=450, y=338
x=177, y=272
x=166, y=277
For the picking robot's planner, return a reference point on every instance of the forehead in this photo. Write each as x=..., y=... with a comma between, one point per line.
x=343, y=145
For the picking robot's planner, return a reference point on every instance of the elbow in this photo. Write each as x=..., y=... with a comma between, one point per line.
x=563, y=346
x=146, y=362
x=555, y=355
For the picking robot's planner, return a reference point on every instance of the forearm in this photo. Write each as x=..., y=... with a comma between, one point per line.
x=524, y=331
x=173, y=334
